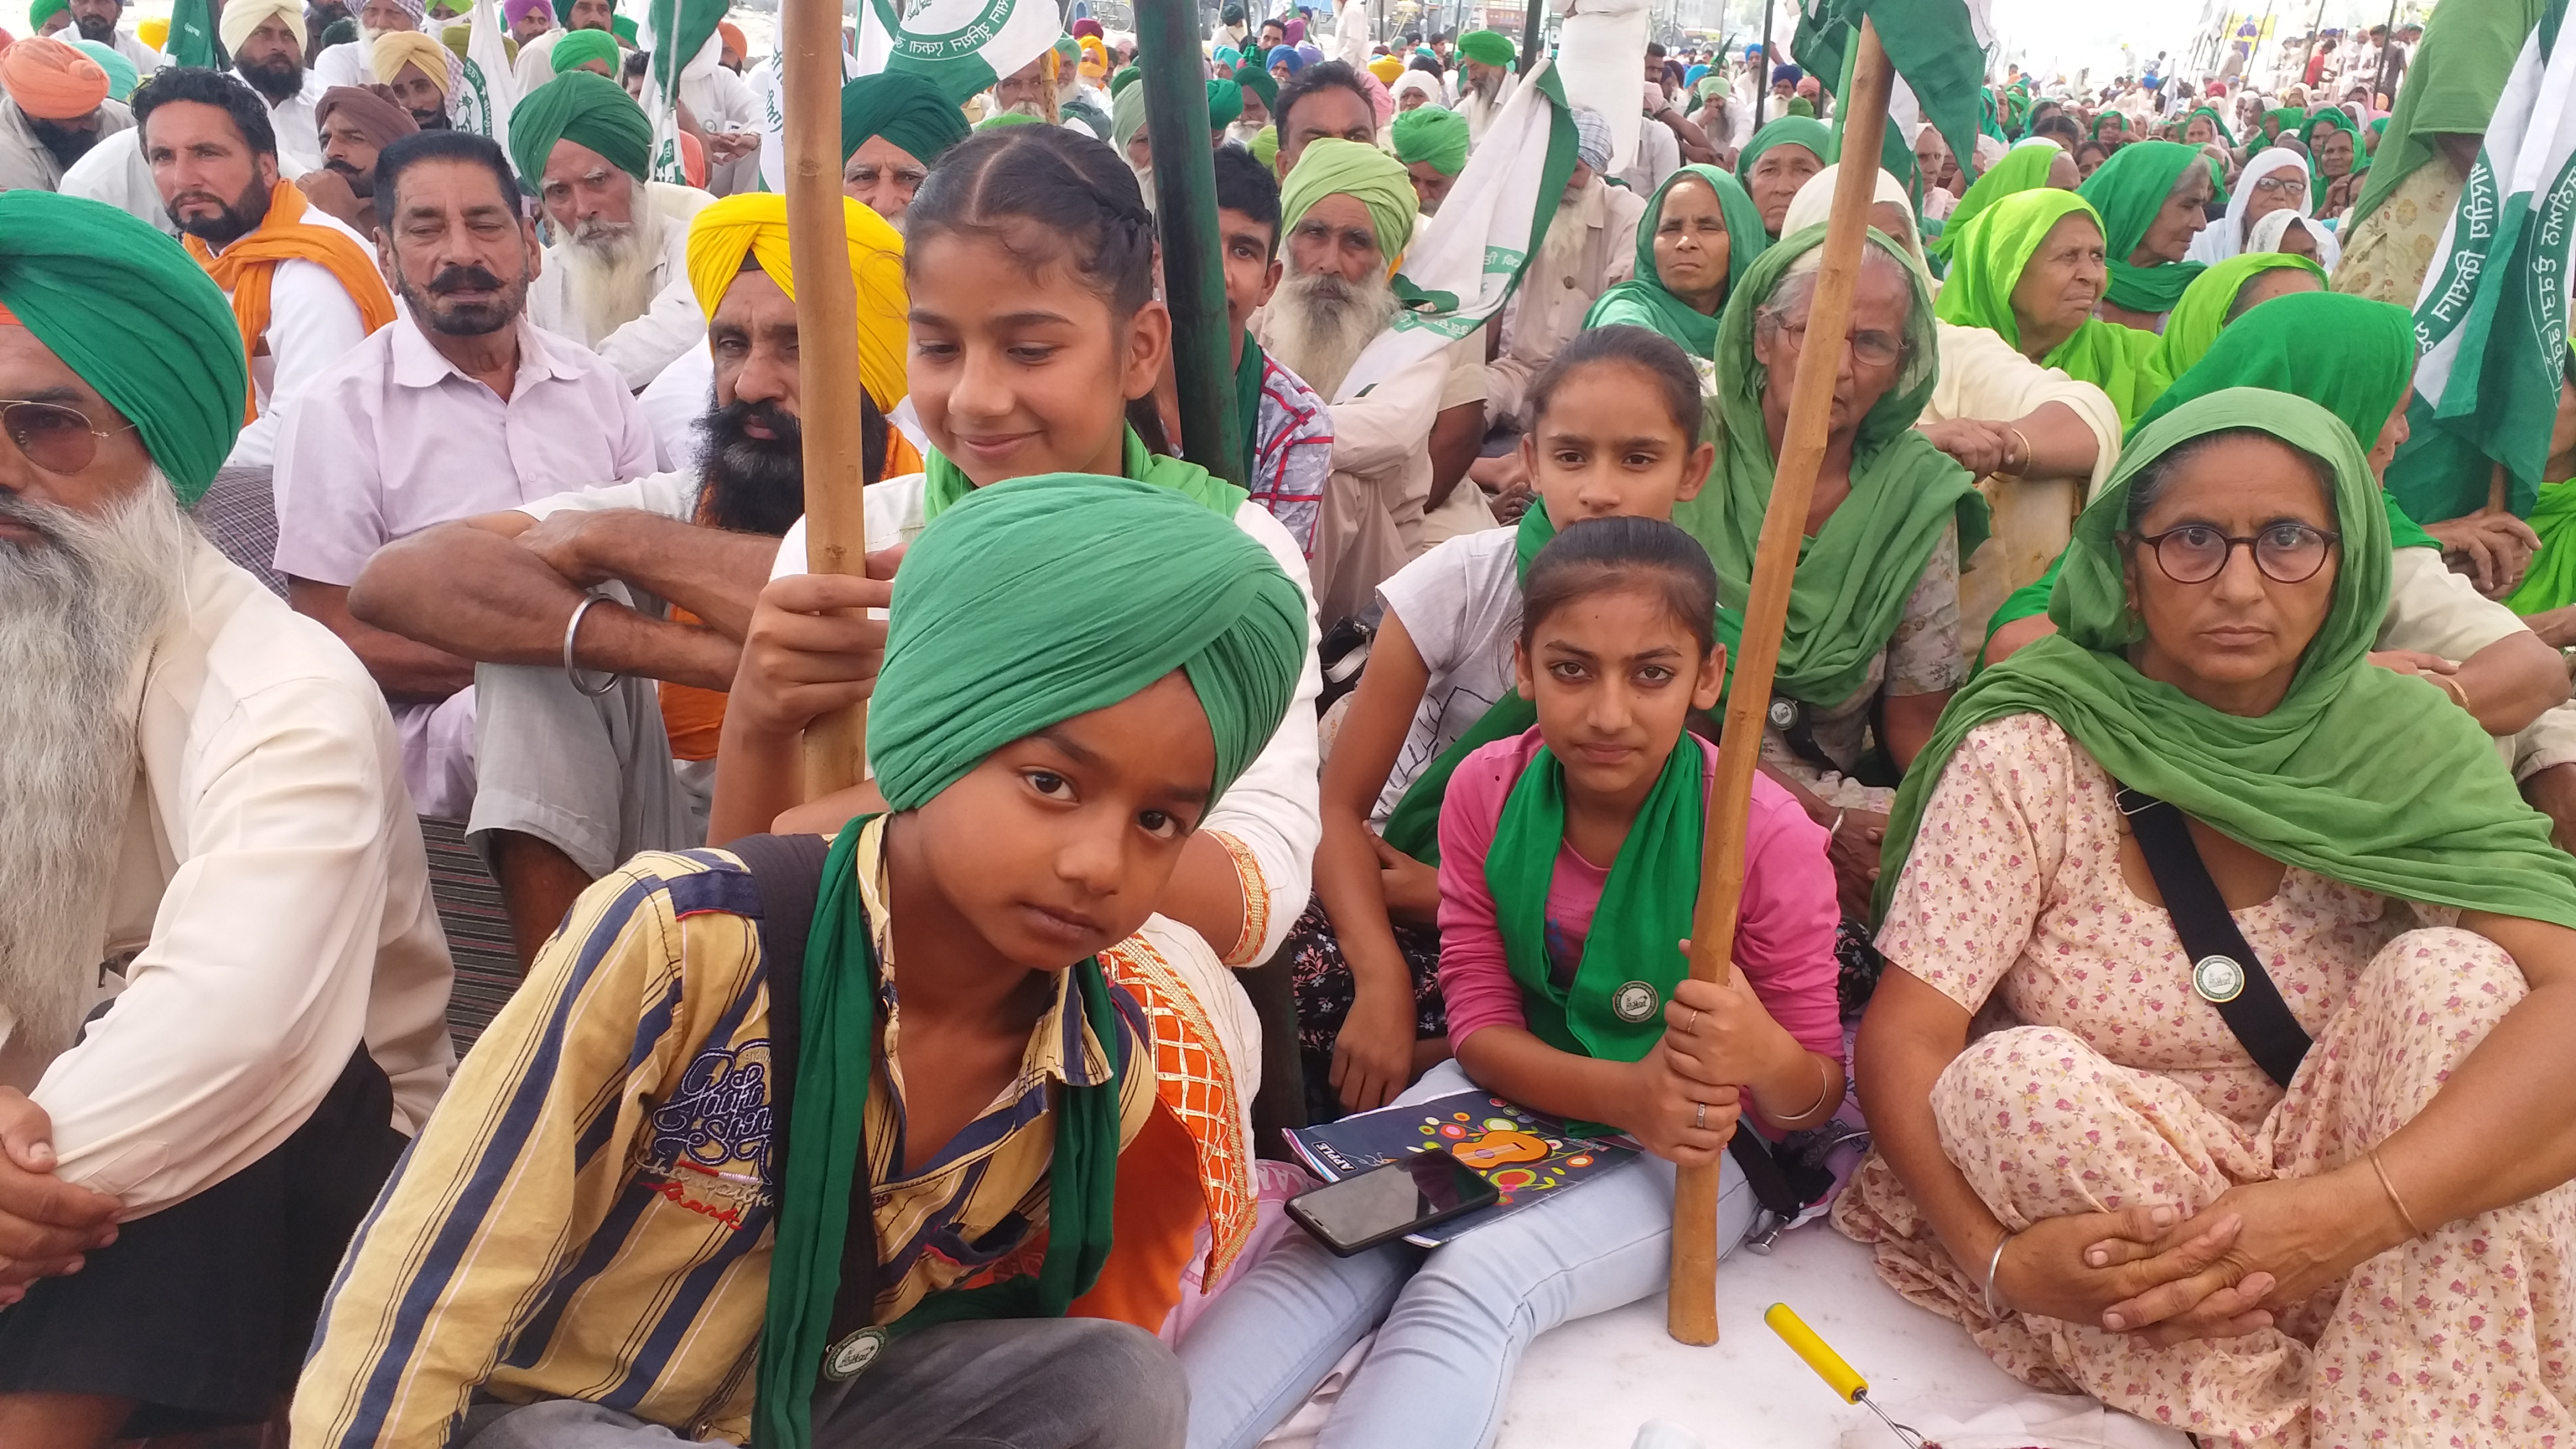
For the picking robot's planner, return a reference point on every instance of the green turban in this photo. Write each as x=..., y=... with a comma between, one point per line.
x=138, y=319
x=1486, y=47
x=1225, y=104
x=1007, y=118
x=1126, y=118
x=1257, y=79
x=1127, y=76
x=580, y=48
x=905, y=109
x=563, y=11
x=1140, y=581
x=1430, y=133
x=121, y=75
x=1334, y=167
x=587, y=110
x=1265, y=145
x=627, y=32
x=44, y=10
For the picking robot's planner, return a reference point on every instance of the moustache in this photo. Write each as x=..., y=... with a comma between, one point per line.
x=37, y=518
x=334, y=163
x=458, y=279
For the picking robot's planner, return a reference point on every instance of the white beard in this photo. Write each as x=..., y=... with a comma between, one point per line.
x=1319, y=325
x=81, y=607
x=1567, y=233
x=608, y=273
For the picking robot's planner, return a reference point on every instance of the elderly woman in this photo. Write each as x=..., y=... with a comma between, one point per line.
x=2153, y=199
x=2032, y=269
x=1778, y=160
x=2352, y=1229
x=1872, y=650
x=2275, y=180
x=2028, y=166
x=1698, y=238
x=2337, y=167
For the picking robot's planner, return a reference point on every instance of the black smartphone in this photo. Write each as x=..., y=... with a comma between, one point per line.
x=1387, y=1202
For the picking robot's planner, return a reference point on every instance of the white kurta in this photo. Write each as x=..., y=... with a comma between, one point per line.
x=643, y=346
x=299, y=135
x=312, y=323
x=1556, y=292
x=115, y=172
x=273, y=878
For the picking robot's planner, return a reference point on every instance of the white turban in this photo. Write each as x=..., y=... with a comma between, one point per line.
x=241, y=17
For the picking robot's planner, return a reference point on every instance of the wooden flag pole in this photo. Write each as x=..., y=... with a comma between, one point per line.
x=1691, y=1310
x=827, y=338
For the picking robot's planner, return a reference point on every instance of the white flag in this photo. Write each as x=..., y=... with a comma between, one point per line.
x=491, y=89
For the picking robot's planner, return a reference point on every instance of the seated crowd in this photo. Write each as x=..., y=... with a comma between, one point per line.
x=2184, y=999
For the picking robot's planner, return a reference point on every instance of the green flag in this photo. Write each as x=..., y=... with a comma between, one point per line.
x=961, y=46
x=1938, y=48
x=192, y=36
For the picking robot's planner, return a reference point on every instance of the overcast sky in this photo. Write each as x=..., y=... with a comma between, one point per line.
x=2053, y=35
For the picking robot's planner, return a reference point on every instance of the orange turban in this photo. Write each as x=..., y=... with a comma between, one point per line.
x=732, y=34
x=52, y=81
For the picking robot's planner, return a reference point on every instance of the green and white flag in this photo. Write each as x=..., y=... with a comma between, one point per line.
x=191, y=41
x=1464, y=263
x=673, y=32
x=1938, y=48
x=487, y=89
x=2491, y=322
x=961, y=46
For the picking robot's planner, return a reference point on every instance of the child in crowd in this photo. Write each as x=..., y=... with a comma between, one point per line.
x=620, y=1225
x=1615, y=430
x=1569, y=869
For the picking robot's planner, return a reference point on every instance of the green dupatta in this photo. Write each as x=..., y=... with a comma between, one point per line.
x=1985, y=266
x=2024, y=168
x=2224, y=134
x=945, y=484
x=1643, y=300
x=2318, y=180
x=2193, y=326
x=2551, y=583
x=1855, y=575
x=2361, y=775
x=836, y=1056
x=1804, y=131
x=2127, y=191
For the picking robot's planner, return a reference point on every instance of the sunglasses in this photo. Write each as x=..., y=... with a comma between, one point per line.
x=2287, y=553
x=54, y=437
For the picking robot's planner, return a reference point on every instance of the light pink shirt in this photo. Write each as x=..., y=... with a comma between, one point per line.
x=394, y=438
x=1784, y=940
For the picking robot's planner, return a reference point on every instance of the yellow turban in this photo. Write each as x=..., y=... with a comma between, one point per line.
x=1386, y=68
x=154, y=32
x=754, y=225
x=397, y=48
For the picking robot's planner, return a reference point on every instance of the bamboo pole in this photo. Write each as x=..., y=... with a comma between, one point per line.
x=827, y=334
x=1691, y=1310
x=1176, y=119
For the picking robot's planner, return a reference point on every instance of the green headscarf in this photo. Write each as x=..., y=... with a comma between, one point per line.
x=2318, y=181
x=580, y=48
x=899, y=105
x=1377, y=181
x=586, y=109
x=1642, y=301
x=1986, y=262
x=1486, y=47
x=2127, y=191
x=945, y=485
x=2098, y=121
x=2215, y=119
x=1225, y=104
x=1854, y=577
x=2286, y=120
x=1257, y=80
x=1434, y=134
x=1804, y=131
x=1135, y=584
x=2024, y=168
x=2451, y=87
x=2360, y=775
x=129, y=311
x=2194, y=324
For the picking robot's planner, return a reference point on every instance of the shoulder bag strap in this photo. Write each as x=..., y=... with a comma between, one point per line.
x=2225, y=972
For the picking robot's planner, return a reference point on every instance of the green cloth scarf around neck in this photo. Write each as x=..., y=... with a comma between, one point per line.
x=1986, y=264
x=2128, y=191
x=945, y=484
x=2192, y=328
x=2361, y=775
x=836, y=1055
x=1855, y=575
x=1644, y=914
x=1643, y=301
x=2024, y=168
x=2551, y=583
x=1247, y=405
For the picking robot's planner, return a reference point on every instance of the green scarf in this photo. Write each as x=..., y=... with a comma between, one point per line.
x=2287, y=119
x=1643, y=301
x=2360, y=775
x=2451, y=88
x=1986, y=263
x=835, y=1057
x=2193, y=326
x=2024, y=168
x=1247, y=404
x=1804, y=131
x=2128, y=190
x=2104, y=119
x=2215, y=119
x=1644, y=914
x=2551, y=584
x=2318, y=180
x=1853, y=577
x=945, y=484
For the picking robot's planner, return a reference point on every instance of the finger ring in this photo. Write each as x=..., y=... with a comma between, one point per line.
x=1693, y=1023
x=1699, y=1118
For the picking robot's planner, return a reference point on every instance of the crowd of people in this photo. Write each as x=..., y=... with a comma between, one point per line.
x=2157, y=934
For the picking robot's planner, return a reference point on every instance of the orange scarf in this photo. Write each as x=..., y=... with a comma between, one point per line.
x=247, y=265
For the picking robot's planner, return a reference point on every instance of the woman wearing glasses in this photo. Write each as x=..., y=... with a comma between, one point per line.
x=2304, y=1180
x=2275, y=180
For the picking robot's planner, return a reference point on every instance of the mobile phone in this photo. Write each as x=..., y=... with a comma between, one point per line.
x=1389, y=1201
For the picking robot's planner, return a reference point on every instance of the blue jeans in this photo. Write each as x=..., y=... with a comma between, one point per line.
x=1452, y=1321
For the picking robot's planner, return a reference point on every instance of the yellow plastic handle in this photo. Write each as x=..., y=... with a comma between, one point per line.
x=1829, y=1366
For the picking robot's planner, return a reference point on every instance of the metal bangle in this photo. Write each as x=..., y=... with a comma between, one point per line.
x=1824, y=1089
x=1994, y=1309
x=2390, y=1188
x=2024, y=439
x=572, y=627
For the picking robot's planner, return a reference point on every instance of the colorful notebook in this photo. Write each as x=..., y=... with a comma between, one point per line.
x=1526, y=1155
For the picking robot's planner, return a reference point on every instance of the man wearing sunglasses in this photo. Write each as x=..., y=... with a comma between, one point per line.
x=204, y=792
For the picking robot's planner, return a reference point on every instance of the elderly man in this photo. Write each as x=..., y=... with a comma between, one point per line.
x=346, y=64
x=1486, y=58
x=304, y=288
x=894, y=125
x=1349, y=209
x=356, y=124
x=56, y=108
x=1432, y=144
x=462, y=407
x=1591, y=245
x=616, y=279
x=266, y=38
x=421, y=74
x=204, y=792
x=571, y=784
x=98, y=19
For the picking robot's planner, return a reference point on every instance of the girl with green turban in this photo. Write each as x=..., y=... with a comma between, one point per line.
x=1802, y=145
x=2151, y=197
x=2226, y=292
x=2030, y=270
x=2409, y=906
x=1698, y=239
x=2336, y=164
x=2026, y=167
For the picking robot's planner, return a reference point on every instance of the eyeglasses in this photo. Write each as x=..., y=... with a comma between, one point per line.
x=55, y=438
x=2280, y=182
x=1873, y=348
x=2287, y=553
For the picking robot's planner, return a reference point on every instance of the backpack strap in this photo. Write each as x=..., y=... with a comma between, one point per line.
x=2225, y=971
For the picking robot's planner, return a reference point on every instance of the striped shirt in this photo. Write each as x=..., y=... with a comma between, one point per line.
x=588, y=1214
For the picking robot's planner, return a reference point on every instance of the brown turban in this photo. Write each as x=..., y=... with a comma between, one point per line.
x=52, y=81
x=369, y=108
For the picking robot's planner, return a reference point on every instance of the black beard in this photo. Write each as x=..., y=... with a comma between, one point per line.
x=752, y=485
x=101, y=28
x=240, y=217
x=67, y=144
x=280, y=80
x=431, y=120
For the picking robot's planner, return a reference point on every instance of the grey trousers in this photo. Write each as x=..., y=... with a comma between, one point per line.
x=589, y=775
x=1024, y=1383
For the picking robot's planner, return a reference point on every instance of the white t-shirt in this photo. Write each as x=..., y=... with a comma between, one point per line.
x=1461, y=606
